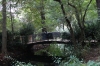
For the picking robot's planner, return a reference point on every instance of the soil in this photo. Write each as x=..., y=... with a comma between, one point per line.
x=92, y=54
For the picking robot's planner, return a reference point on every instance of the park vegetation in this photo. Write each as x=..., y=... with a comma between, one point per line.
x=76, y=20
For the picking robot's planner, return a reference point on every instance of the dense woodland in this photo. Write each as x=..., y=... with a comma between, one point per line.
x=74, y=20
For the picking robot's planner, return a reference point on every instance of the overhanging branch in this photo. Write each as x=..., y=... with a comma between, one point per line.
x=86, y=11
x=17, y=2
x=77, y=16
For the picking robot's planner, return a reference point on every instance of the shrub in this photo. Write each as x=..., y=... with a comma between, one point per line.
x=65, y=35
x=22, y=64
x=73, y=61
x=27, y=29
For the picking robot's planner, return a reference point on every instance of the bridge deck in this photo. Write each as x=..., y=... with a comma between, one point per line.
x=50, y=41
x=56, y=41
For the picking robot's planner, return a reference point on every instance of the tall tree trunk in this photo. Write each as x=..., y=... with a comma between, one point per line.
x=4, y=30
x=81, y=21
x=98, y=7
x=11, y=15
x=12, y=25
x=43, y=17
x=68, y=23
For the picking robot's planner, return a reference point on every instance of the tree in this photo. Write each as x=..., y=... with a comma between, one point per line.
x=80, y=20
x=4, y=30
x=79, y=13
x=67, y=22
x=98, y=7
x=43, y=16
x=75, y=7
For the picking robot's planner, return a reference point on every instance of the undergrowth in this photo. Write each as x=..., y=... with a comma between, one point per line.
x=73, y=61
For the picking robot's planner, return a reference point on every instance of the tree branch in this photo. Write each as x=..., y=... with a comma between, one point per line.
x=68, y=24
x=77, y=16
x=86, y=11
x=57, y=1
x=17, y=2
x=72, y=5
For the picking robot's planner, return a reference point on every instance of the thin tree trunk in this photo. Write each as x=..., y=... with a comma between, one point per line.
x=68, y=24
x=98, y=7
x=4, y=30
x=43, y=17
x=81, y=22
x=12, y=27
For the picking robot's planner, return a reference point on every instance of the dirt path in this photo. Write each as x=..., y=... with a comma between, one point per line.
x=93, y=54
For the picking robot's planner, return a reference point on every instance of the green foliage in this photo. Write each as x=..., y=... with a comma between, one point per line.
x=40, y=64
x=68, y=50
x=13, y=36
x=92, y=63
x=30, y=12
x=91, y=30
x=73, y=61
x=41, y=52
x=55, y=50
x=65, y=35
x=27, y=29
x=22, y=64
x=97, y=33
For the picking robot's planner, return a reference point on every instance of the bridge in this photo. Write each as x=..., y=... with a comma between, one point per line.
x=48, y=38
x=45, y=39
x=50, y=42
x=45, y=43
x=57, y=36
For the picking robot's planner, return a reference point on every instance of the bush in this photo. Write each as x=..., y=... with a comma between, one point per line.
x=73, y=61
x=22, y=64
x=66, y=35
x=27, y=29
x=92, y=30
